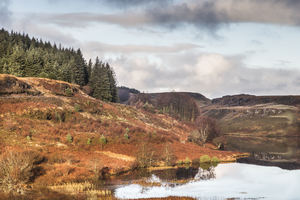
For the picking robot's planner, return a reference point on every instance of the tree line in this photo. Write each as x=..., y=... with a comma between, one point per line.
x=23, y=56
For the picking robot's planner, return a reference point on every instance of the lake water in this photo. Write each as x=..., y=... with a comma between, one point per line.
x=278, y=151
x=225, y=181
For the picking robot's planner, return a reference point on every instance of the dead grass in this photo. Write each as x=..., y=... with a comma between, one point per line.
x=49, y=118
x=17, y=169
x=77, y=188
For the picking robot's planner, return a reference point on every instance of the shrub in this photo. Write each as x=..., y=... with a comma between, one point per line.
x=215, y=159
x=180, y=162
x=89, y=141
x=169, y=156
x=149, y=107
x=69, y=138
x=103, y=139
x=187, y=160
x=28, y=137
x=18, y=169
x=204, y=159
x=68, y=92
x=126, y=136
x=145, y=156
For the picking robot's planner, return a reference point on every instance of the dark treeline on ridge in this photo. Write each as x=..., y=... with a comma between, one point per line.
x=23, y=56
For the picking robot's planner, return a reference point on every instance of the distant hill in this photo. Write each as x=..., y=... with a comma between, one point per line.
x=242, y=114
x=248, y=123
x=125, y=93
x=181, y=105
x=248, y=100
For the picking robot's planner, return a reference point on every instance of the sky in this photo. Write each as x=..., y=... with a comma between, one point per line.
x=213, y=47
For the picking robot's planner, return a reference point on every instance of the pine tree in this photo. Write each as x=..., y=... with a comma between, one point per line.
x=80, y=69
x=113, y=84
x=21, y=55
x=105, y=84
x=89, y=68
x=95, y=80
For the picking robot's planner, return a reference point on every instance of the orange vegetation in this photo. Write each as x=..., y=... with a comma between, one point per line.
x=43, y=122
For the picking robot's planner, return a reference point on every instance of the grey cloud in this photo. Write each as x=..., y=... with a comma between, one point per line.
x=5, y=14
x=109, y=48
x=210, y=74
x=209, y=15
x=86, y=19
x=133, y=3
x=50, y=33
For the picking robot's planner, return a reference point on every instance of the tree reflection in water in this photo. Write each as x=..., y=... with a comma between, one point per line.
x=205, y=174
x=174, y=177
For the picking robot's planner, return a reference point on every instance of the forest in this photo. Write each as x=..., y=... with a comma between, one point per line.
x=23, y=56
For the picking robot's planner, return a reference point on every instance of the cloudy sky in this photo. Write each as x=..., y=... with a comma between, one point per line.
x=214, y=47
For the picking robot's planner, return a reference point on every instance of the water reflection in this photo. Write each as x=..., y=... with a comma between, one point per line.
x=277, y=151
x=204, y=174
x=226, y=181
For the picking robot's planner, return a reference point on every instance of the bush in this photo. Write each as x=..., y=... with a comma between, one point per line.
x=205, y=159
x=180, y=162
x=145, y=156
x=126, y=136
x=17, y=169
x=169, y=156
x=69, y=92
x=103, y=139
x=89, y=141
x=69, y=138
x=187, y=160
x=215, y=159
x=28, y=137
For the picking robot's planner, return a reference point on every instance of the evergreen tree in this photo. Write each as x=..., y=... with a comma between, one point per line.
x=89, y=68
x=95, y=80
x=80, y=69
x=113, y=84
x=21, y=55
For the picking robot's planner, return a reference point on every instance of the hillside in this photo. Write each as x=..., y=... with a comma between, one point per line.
x=181, y=105
x=249, y=100
x=247, y=114
x=79, y=136
x=268, y=126
x=257, y=115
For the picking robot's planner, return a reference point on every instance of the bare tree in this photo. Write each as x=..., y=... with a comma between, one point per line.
x=206, y=130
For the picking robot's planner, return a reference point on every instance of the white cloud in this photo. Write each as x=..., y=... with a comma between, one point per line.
x=213, y=75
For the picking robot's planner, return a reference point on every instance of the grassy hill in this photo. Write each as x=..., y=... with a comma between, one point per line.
x=76, y=137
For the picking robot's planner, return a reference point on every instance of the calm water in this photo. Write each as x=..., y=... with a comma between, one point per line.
x=225, y=181
x=279, y=151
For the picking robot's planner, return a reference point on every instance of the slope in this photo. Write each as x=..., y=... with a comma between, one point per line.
x=80, y=137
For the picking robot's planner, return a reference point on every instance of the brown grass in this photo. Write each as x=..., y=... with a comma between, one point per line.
x=21, y=116
x=17, y=169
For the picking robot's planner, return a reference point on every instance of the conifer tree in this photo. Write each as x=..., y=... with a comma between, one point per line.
x=89, y=68
x=21, y=55
x=113, y=84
